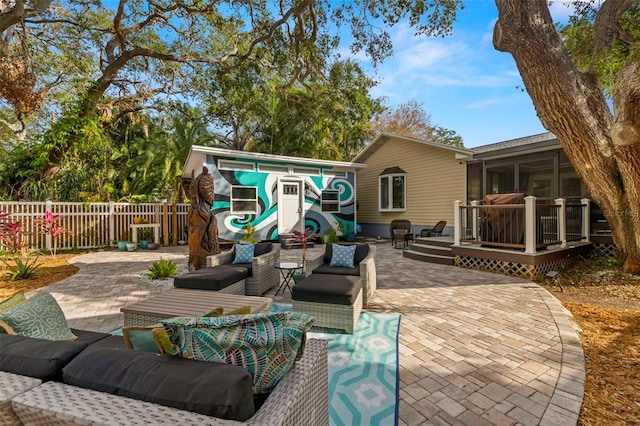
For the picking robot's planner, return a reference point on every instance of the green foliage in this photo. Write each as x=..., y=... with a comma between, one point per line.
x=249, y=232
x=331, y=236
x=21, y=268
x=603, y=61
x=162, y=269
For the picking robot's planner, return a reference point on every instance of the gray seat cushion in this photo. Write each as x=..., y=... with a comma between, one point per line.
x=43, y=359
x=211, y=278
x=322, y=288
x=209, y=388
x=325, y=268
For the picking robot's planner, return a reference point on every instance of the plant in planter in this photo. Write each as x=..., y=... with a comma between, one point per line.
x=349, y=235
x=303, y=238
x=331, y=236
x=248, y=236
x=146, y=236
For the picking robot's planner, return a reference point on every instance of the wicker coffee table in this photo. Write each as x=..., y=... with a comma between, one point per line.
x=185, y=302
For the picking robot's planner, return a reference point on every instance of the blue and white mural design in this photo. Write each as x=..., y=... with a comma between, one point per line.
x=231, y=225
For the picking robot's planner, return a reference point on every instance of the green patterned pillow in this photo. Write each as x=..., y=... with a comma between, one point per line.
x=12, y=301
x=266, y=344
x=39, y=317
x=8, y=303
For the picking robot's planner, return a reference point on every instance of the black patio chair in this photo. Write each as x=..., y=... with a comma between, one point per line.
x=435, y=231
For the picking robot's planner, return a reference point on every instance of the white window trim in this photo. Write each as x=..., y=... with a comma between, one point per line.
x=330, y=202
x=254, y=200
x=390, y=194
x=232, y=165
x=305, y=171
x=276, y=169
x=335, y=173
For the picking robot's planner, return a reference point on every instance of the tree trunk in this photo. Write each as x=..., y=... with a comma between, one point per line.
x=604, y=149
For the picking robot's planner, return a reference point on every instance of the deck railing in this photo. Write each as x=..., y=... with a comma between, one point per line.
x=94, y=225
x=529, y=226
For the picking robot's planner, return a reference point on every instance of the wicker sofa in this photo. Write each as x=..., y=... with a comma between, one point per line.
x=366, y=269
x=56, y=403
x=263, y=275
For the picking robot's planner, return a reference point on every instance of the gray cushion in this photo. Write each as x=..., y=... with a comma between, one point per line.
x=325, y=268
x=258, y=250
x=262, y=248
x=321, y=288
x=209, y=388
x=43, y=359
x=362, y=250
x=212, y=278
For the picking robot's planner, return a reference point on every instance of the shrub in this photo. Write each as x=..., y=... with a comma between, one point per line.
x=21, y=269
x=163, y=269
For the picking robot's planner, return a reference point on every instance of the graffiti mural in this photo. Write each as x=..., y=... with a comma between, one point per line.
x=245, y=193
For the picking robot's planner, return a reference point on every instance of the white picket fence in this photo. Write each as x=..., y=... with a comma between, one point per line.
x=96, y=224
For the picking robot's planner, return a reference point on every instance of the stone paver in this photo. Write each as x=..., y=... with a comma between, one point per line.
x=475, y=348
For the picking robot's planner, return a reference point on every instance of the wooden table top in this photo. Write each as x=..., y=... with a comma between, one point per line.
x=184, y=302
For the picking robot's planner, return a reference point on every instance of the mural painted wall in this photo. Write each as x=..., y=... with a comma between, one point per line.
x=231, y=225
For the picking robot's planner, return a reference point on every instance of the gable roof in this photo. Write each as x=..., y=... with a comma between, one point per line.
x=525, y=145
x=383, y=137
x=198, y=154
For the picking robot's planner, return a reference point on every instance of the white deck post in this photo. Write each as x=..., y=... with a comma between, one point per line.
x=456, y=222
x=474, y=220
x=562, y=221
x=530, y=225
x=586, y=218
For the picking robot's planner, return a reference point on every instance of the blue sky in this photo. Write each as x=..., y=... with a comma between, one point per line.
x=461, y=80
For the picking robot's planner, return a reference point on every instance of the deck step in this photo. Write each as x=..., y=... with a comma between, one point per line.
x=446, y=241
x=431, y=249
x=430, y=258
x=288, y=241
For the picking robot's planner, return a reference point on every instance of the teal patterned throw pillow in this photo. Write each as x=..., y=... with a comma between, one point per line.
x=266, y=344
x=39, y=317
x=244, y=253
x=342, y=255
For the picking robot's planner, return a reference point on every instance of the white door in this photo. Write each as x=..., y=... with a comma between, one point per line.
x=290, y=214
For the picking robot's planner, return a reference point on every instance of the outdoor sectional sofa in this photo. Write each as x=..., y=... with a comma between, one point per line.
x=96, y=380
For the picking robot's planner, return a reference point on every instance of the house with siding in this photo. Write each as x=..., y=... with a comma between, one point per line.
x=408, y=178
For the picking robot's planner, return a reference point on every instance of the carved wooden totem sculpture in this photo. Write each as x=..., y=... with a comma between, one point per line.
x=203, y=228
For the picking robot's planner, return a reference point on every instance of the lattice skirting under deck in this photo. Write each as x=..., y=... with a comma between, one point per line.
x=605, y=250
x=512, y=268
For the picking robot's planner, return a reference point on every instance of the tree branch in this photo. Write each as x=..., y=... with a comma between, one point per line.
x=606, y=29
x=18, y=12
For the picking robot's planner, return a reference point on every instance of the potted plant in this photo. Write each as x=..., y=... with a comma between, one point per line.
x=303, y=238
x=145, y=237
x=331, y=236
x=248, y=236
x=349, y=235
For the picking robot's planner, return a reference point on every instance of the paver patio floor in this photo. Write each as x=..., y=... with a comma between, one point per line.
x=476, y=348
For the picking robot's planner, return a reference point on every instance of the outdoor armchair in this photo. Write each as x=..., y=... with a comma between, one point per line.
x=364, y=267
x=263, y=275
x=434, y=231
x=400, y=231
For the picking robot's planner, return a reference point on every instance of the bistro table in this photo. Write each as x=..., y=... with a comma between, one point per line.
x=288, y=270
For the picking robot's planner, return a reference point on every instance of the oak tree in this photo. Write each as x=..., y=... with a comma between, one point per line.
x=570, y=82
